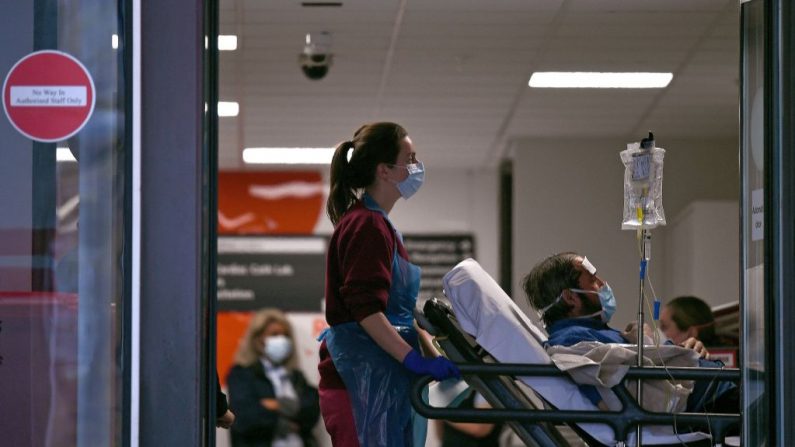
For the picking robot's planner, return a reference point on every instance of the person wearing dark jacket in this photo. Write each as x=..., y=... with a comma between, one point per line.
x=224, y=417
x=274, y=406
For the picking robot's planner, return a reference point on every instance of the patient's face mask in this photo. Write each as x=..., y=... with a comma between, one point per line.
x=414, y=181
x=606, y=299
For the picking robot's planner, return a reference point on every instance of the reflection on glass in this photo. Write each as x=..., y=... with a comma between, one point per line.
x=754, y=360
x=62, y=229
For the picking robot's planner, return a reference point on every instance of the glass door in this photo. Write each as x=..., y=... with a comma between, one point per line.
x=64, y=225
x=755, y=359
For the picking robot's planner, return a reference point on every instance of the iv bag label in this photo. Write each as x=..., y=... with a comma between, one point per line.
x=640, y=166
x=757, y=215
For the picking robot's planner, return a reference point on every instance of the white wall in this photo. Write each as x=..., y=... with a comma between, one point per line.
x=568, y=195
x=704, y=256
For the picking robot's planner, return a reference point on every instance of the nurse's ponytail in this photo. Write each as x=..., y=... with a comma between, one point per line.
x=341, y=195
x=354, y=162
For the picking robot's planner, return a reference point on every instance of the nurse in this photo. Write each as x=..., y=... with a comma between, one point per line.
x=370, y=353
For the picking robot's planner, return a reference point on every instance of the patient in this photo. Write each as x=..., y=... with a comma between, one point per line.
x=576, y=305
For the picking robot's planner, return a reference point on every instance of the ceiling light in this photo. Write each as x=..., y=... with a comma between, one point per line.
x=114, y=41
x=64, y=154
x=584, y=79
x=321, y=4
x=228, y=108
x=288, y=155
x=227, y=42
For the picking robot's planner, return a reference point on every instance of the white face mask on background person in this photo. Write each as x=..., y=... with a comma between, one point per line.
x=278, y=348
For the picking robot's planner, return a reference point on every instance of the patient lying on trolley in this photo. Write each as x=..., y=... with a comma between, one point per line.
x=575, y=305
x=483, y=310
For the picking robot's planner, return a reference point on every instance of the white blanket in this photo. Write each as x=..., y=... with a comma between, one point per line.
x=501, y=328
x=605, y=364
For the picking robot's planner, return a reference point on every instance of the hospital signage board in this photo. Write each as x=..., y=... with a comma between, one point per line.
x=285, y=272
x=48, y=96
x=437, y=255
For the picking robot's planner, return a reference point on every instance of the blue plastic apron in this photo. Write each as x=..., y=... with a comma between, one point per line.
x=378, y=385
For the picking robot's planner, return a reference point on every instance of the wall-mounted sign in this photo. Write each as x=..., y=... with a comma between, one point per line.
x=48, y=96
x=289, y=272
x=757, y=215
x=437, y=255
x=264, y=271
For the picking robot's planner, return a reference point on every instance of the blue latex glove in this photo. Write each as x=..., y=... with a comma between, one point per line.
x=439, y=368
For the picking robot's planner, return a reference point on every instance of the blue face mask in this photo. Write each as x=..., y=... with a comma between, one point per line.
x=414, y=181
x=606, y=299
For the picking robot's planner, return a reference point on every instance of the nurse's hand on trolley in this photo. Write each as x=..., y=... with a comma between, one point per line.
x=379, y=328
x=439, y=368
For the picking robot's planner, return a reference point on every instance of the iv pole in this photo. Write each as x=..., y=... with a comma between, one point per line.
x=645, y=241
x=644, y=238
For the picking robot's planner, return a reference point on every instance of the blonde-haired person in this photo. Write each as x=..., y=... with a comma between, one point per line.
x=272, y=401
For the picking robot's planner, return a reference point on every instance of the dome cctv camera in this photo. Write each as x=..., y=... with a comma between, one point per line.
x=316, y=58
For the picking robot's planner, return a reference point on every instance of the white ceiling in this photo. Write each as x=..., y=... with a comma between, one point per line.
x=455, y=72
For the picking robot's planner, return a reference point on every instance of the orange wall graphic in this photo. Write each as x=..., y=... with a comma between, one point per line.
x=280, y=202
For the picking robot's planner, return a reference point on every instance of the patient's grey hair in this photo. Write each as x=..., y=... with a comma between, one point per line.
x=547, y=280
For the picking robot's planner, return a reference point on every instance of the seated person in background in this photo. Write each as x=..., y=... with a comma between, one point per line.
x=576, y=305
x=272, y=402
x=690, y=317
x=469, y=434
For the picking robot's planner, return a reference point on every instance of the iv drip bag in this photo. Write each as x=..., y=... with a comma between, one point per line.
x=643, y=174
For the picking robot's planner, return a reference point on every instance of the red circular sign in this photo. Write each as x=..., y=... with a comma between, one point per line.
x=48, y=96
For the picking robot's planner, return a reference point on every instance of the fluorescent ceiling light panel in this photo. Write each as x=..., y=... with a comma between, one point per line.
x=64, y=154
x=585, y=79
x=228, y=108
x=227, y=42
x=288, y=155
x=114, y=41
